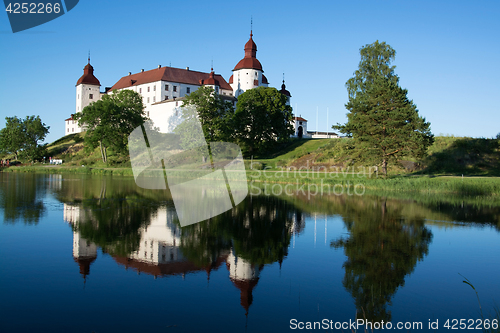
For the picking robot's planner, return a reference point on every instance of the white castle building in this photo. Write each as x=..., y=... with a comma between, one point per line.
x=163, y=89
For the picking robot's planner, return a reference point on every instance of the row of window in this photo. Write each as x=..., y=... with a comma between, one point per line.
x=174, y=88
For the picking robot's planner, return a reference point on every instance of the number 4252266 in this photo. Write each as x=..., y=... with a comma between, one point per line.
x=479, y=324
x=33, y=8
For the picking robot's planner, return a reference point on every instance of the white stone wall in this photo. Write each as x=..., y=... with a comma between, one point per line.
x=243, y=79
x=240, y=269
x=160, y=240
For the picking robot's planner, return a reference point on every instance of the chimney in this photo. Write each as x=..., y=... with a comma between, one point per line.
x=187, y=68
x=142, y=70
x=159, y=66
x=129, y=73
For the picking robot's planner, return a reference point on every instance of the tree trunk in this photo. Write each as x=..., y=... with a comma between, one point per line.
x=384, y=166
x=102, y=152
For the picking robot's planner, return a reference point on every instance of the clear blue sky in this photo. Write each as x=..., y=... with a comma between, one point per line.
x=447, y=53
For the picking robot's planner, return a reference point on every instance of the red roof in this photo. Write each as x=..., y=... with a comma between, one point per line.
x=71, y=118
x=250, y=60
x=284, y=91
x=170, y=74
x=231, y=79
x=299, y=119
x=264, y=79
x=88, y=76
x=211, y=80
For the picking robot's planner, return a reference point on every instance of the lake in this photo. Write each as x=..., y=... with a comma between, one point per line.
x=83, y=253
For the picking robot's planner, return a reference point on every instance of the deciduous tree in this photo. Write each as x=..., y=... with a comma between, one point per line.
x=24, y=137
x=262, y=119
x=110, y=120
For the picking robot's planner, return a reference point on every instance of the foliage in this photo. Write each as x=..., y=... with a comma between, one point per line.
x=23, y=137
x=383, y=122
x=262, y=119
x=110, y=120
x=213, y=112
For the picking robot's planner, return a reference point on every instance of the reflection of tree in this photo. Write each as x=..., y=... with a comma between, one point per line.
x=258, y=229
x=114, y=214
x=21, y=197
x=382, y=249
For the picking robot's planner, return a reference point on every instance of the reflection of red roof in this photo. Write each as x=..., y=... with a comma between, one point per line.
x=250, y=60
x=88, y=76
x=299, y=119
x=169, y=74
x=84, y=263
x=173, y=268
x=246, y=289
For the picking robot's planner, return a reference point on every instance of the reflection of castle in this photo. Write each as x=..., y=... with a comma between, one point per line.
x=159, y=253
x=244, y=276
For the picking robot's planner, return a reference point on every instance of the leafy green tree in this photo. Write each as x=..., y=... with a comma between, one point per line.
x=262, y=119
x=382, y=249
x=213, y=112
x=23, y=137
x=383, y=122
x=110, y=120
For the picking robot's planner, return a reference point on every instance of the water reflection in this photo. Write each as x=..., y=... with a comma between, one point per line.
x=382, y=248
x=21, y=198
x=385, y=241
x=145, y=235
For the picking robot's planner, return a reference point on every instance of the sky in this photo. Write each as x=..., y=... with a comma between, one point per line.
x=447, y=53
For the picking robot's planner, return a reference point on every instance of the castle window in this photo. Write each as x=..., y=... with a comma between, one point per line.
x=147, y=114
x=300, y=123
x=176, y=103
x=148, y=99
x=166, y=87
x=188, y=90
x=154, y=88
x=140, y=90
x=91, y=96
x=73, y=129
x=68, y=130
x=148, y=88
x=175, y=88
x=154, y=99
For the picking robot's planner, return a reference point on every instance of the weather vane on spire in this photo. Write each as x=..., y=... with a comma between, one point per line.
x=89, y=56
x=251, y=26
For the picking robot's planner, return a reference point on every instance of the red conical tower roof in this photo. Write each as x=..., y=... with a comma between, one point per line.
x=88, y=76
x=250, y=60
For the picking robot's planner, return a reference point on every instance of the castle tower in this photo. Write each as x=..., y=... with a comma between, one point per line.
x=87, y=91
x=84, y=253
x=285, y=92
x=244, y=276
x=212, y=81
x=248, y=73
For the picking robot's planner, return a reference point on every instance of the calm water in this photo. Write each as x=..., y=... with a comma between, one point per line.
x=98, y=254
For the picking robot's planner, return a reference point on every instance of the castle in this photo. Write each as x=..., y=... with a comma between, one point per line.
x=163, y=89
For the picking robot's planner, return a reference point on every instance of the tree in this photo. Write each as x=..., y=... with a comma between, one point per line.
x=23, y=137
x=213, y=112
x=110, y=120
x=262, y=119
x=383, y=122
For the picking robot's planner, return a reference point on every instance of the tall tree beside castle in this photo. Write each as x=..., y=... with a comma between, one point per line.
x=383, y=122
x=110, y=120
